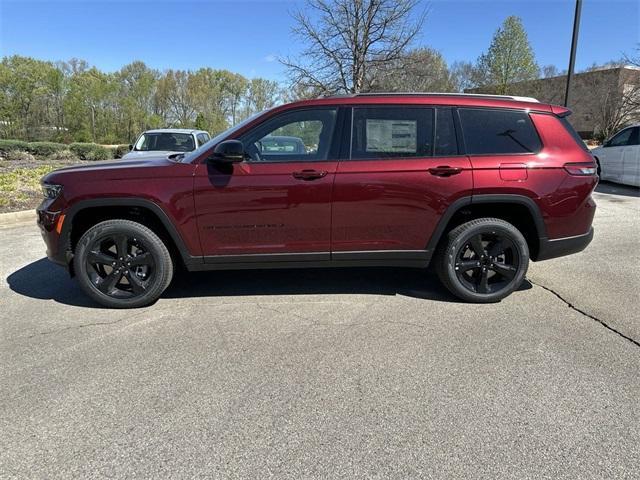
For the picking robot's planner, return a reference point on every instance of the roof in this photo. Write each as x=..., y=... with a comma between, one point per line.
x=440, y=94
x=175, y=130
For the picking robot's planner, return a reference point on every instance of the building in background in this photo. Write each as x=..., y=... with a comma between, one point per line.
x=602, y=100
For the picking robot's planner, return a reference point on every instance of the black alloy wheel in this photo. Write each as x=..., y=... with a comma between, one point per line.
x=483, y=261
x=122, y=264
x=487, y=263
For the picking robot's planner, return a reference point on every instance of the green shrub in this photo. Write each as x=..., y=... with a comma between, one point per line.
x=120, y=151
x=45, y=149
x=12, y=145
x=90, y=151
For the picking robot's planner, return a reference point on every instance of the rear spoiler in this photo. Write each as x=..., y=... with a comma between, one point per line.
x=560, y=111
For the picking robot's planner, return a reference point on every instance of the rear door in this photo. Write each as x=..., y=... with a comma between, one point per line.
x=403, y=170
x=277, y=201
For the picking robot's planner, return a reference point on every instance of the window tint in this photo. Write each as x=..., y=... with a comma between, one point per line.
x=303, y=135
x=621, y=139
x=392, y=133
x=569, y=128
x=445, y=142
x=498, y=132
x=635, y=136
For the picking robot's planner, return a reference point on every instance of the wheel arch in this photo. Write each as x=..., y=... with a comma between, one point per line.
x=86, y=213
x=519, y=210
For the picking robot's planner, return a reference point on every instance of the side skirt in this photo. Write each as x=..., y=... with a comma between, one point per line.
x=380, y=258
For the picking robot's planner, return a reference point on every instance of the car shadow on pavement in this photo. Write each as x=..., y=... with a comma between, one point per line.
x=46, y=281
x=617, y=189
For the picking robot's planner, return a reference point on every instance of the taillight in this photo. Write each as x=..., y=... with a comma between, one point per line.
x=581, y=168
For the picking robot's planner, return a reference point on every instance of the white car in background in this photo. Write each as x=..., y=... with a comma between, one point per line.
x=166, y=141
x=619, y=157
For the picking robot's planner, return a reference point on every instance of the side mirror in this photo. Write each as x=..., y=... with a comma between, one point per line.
x=229, y=151
x=130, y=146
x=607, y=143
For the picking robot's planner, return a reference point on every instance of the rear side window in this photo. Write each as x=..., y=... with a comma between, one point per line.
x=569, y=128
x=445, y=141
x=392, y=132
x=498, y=132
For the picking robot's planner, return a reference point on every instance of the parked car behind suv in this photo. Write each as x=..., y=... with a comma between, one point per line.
x=166, y=141
x=475, y=185
x=619, y=157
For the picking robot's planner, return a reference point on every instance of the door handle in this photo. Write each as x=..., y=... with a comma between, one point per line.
x=309, y=174
x=444, y=171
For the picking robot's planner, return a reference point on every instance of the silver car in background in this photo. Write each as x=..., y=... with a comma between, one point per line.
x=619, y=157
x=166, y=141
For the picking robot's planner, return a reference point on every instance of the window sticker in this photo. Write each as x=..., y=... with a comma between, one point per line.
x=396, y=136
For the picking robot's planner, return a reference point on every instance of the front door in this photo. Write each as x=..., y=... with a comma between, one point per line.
x=276, y=201
x=402, y=174
x=612, y=156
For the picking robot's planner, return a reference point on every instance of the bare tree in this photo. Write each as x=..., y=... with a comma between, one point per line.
x=346, y=40
x=419, y=70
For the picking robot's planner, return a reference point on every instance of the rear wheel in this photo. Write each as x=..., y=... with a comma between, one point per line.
x=122, y=264
x=484, y=260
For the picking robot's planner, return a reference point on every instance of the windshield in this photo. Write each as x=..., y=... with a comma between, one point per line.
x=221, y=136
x=165, y=141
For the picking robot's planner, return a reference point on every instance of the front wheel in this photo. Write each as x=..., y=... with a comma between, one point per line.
x=122, y=264
x=484, y=260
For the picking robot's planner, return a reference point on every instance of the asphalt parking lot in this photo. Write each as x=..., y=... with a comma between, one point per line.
x=375, y=373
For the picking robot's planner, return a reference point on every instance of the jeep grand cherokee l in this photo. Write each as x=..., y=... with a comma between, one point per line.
x=475, y=185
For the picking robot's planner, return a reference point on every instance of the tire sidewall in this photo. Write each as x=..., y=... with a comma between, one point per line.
x=459, y=241
x=150, y=241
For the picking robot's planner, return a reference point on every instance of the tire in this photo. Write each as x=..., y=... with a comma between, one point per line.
x=122, y=264
x=497, y=264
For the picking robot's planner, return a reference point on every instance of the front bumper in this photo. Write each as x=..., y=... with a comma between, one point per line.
x=50, y=224
x=559, y=247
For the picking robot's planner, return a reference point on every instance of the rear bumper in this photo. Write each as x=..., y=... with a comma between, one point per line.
x=559, y=247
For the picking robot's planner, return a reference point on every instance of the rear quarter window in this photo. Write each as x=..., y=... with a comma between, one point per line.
x=489, y=132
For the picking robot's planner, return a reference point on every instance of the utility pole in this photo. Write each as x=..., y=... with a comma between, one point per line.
x=574, y=44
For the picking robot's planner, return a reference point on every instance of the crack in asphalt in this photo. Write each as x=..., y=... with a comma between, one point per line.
x=77, y=327
x=588, y=315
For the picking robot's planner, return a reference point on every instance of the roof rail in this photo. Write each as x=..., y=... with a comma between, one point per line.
x=438, y=94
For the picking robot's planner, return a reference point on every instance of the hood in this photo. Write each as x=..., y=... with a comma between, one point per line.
x=110, y=169
x=148, y=154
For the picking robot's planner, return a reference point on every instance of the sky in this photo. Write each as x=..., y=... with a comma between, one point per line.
x=247, y=37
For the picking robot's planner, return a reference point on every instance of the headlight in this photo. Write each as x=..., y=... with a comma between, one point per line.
x=51, y=190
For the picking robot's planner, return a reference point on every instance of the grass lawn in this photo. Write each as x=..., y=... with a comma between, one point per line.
x=20, y=182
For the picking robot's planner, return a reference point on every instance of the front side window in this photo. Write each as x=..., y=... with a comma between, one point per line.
x=203, y=138
x=303, y=135
x=395, y=132
x=489, y=132
x=622, y=139
x=164, y=141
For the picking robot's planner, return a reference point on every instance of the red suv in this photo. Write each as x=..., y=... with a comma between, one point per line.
x=476, y=185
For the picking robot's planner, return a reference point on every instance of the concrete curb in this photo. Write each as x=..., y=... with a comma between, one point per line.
x=12, y=218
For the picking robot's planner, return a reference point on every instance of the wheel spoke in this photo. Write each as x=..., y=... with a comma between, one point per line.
x=497, y=248
x=506, y=271
x=137, y=285
x=483, y=287
x=466, y=265
x=141, y=259
x=122, y=245
x=476, y=245
x=108, y=283
x=100, y=258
